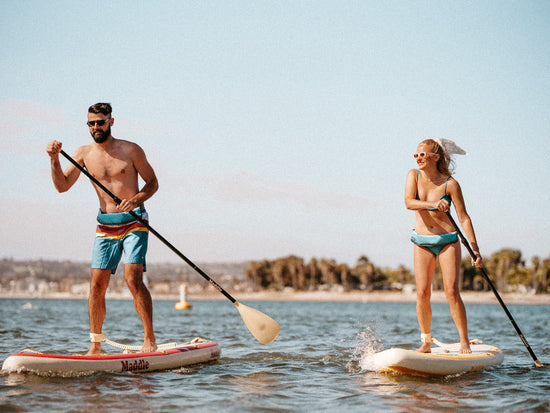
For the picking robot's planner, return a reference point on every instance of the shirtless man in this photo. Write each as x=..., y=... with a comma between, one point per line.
x=116, y=163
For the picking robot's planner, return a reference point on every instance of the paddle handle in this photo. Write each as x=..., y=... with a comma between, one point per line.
x=146, y=224
x=493, y=288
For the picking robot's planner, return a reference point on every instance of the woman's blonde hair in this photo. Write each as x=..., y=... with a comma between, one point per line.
x=445, y=164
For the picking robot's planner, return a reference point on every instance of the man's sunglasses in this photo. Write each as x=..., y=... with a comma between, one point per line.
x=98, y=122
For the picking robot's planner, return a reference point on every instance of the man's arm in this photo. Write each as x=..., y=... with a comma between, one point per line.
x=146, y=172
x=63, y=181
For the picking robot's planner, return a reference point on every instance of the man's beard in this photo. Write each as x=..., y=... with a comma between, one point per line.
x=101, y=136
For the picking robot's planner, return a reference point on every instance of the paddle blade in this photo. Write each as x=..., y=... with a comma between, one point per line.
x=263, y=328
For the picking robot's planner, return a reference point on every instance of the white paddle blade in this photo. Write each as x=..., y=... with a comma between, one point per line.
x=263, y=328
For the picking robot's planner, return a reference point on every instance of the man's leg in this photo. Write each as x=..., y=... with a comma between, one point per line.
x=96, y=303
x=133, y=274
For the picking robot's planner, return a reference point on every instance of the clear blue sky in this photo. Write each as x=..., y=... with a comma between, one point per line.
x=278, y=127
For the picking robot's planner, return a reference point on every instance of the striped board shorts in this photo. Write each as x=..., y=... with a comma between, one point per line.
x=117, y=233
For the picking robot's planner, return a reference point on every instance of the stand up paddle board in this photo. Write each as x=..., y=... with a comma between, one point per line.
x=444, y=360
x=170, y=357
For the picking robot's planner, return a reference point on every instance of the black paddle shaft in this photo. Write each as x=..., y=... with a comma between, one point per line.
x=497, y=295
x=160, y=237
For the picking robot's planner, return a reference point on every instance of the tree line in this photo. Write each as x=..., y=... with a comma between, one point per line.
x=506, y=268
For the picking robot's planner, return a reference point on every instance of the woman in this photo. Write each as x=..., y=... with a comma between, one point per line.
x=429, y=192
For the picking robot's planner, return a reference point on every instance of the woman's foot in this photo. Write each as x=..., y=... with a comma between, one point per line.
x=425, y=348
x=465, y=348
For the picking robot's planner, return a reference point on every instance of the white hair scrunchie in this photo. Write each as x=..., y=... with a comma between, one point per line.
x=450, y=147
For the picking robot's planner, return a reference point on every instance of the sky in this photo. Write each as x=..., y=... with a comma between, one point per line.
x=278, y=127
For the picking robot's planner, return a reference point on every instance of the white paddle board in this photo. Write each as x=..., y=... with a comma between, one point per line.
x=442, y=361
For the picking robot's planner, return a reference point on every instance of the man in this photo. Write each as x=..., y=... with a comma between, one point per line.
x=116, y=163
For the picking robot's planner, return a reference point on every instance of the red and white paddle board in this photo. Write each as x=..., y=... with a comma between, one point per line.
x=194, y=352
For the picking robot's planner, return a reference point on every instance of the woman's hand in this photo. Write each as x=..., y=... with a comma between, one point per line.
x=478, y=262
x=441, y=205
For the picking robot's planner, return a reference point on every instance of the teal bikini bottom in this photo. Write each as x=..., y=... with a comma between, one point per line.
x=435, y=243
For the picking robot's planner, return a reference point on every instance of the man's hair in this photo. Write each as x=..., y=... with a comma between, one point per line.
x=104, y=108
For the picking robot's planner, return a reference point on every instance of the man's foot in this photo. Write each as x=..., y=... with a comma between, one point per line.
x=95, y=349
x=149, y=346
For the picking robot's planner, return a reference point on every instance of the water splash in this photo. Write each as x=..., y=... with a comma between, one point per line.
x=367, y=343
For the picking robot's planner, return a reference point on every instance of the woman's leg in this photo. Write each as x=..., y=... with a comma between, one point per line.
x=424, y=266
x=449, y=260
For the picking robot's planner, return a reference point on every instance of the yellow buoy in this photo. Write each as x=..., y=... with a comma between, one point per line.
x=183, y=304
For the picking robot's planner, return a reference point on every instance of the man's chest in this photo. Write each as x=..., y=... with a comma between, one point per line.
x=109, y=167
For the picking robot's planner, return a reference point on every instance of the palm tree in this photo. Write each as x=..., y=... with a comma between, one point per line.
x=545, y=273
x=328, y=276
x=364, y=271
x=535, y=261
x=313, y=274
x=277, y=273
x=259, y=274
x=295, y=267
x=344, y=272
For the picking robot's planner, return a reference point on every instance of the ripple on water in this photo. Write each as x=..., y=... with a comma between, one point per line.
x=317, y=362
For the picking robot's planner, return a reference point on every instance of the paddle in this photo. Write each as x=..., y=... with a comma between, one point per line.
x=263, y=328
x=467, y=245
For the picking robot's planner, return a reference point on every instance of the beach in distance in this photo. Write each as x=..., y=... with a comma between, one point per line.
x=469, y=297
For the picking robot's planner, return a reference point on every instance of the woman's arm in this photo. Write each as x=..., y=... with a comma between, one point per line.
x=465, y=222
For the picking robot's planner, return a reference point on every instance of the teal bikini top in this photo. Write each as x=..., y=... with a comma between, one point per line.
x=445, y=196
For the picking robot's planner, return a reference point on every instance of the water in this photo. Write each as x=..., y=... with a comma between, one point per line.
x=314, y=365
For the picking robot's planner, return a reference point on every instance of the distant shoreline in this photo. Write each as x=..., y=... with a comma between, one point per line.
x=317, y=296
x=376, y=297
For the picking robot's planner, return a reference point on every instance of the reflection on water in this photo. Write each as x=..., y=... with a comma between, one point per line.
x=418, y=392
x=260, y=383
x=317, y=363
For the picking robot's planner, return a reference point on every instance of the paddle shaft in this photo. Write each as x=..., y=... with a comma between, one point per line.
x=160, y=237
x=497, y=295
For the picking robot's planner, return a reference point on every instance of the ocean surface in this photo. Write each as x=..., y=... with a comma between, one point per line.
x=314, y=365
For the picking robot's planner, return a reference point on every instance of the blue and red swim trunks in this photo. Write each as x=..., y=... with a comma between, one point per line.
x=117, y=233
